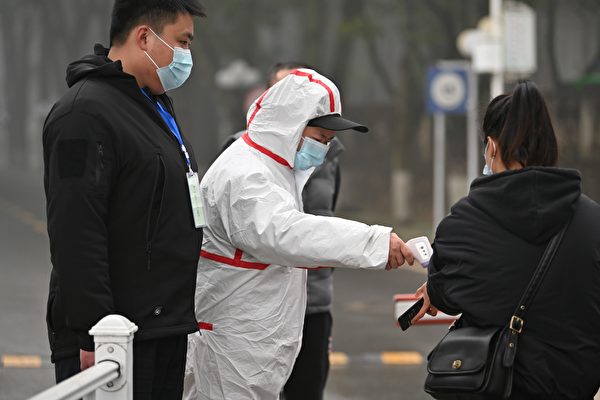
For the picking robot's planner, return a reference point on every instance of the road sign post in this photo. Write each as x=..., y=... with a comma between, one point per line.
x=473, y=141
x=448, y=91
x=504, y=43
x=439, y=167
x=497, y=82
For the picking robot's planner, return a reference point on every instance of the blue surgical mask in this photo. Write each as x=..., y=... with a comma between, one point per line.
x=311, y=154
x=176, y=73
x=487, y=171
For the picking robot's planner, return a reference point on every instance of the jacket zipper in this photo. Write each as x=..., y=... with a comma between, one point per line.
x=99, y=162
x=152, y=229
x=165, y=126
x=148, y=251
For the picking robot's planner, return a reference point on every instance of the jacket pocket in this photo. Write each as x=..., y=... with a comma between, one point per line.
x=99, y=162
x=49, y=320
x=155, y=206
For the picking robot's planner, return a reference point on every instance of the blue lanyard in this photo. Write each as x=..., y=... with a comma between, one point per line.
x=170, y=121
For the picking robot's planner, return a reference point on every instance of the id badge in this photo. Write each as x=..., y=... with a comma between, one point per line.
x=196, y=199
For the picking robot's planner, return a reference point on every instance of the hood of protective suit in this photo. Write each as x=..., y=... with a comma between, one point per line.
x=278, y=117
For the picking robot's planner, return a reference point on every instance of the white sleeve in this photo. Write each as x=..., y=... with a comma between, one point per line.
x=264, y=222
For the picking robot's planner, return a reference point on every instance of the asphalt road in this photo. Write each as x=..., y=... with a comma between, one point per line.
x=373, y=359
x=365, y=330
x=24, y=274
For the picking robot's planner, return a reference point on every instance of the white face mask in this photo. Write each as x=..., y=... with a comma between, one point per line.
x=178, y=71
x=487, y=171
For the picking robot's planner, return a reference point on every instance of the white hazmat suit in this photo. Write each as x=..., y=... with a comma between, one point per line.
x=251, y=290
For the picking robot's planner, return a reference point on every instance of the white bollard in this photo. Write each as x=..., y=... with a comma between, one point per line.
x=113, y=338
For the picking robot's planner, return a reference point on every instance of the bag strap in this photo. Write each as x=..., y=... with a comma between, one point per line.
x=517, y=320
x=515, y=325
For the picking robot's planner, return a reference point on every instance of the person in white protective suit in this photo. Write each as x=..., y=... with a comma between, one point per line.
x=251, y=290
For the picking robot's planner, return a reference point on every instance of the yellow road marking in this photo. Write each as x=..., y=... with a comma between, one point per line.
x=12, y=361
x=26, y=217
x=401, y=358
x=338, y=359
x=40, y=227
x=357, y=306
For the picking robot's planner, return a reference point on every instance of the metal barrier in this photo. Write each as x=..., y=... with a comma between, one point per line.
x=111, y=378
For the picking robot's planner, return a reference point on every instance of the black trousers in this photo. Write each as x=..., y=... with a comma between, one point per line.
x=309, y=375
x=158, y=368
x=66, y=368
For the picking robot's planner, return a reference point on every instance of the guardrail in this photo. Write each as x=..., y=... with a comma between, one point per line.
x=111, y=378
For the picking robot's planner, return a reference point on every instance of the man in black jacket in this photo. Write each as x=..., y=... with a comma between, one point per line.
x=119, y=176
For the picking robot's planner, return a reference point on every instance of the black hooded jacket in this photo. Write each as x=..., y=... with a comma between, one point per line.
x=319, y=197
x=485, y=253
x=122, y=236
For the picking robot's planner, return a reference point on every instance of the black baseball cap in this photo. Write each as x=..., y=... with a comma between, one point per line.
x=335, y=122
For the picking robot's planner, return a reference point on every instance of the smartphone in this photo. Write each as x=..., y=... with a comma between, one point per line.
x=405, y=319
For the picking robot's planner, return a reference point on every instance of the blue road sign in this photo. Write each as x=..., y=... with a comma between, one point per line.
x=447, y=90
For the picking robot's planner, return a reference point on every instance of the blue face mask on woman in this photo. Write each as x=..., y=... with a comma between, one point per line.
x=178, y=71
x=311, y=154
x=487, y=171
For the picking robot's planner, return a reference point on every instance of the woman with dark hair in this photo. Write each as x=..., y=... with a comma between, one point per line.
x=486, y=250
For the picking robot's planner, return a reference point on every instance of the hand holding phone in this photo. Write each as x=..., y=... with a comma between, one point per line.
x=405, y=320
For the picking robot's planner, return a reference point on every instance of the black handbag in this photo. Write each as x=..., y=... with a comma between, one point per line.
x=472, y=363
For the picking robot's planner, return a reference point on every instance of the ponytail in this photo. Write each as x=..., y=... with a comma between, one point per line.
x=521, y=124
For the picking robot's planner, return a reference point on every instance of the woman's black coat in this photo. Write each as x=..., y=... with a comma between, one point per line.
x=485, y=253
